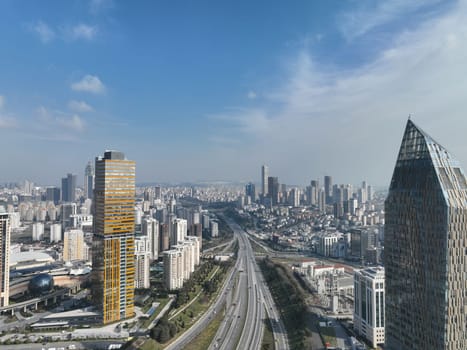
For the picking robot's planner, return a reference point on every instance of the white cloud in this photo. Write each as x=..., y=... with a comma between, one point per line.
x=7, y=122
x=65, y=121
x=79, y=106
x=73, y=122
x=367, y=15
x=251, y=95
x=98, y=6
x=349, y=123
x=89, y=83
x=45, y=33
x=84, y=31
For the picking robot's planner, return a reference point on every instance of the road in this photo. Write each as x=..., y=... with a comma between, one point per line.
x=216, y=307
x=91, y=344
x=243, y=326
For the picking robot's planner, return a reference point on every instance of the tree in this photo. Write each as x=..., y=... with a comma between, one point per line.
x=164, y=335
x=173, y=329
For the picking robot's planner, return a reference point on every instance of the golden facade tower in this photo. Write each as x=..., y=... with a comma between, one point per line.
x=114, y=236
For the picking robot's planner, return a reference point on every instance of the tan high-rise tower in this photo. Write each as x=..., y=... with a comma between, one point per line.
x=114, y=236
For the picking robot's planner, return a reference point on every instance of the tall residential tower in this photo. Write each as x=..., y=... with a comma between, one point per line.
x=114, y=236
x=4, y=258
x=425, y=244
x=264, y=180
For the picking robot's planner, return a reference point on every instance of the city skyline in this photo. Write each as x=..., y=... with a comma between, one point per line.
x=108, y=74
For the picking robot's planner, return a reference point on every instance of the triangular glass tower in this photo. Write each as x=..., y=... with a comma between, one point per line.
x=425, y=248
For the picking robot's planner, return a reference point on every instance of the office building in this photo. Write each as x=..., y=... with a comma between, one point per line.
x=368, y=316
x=157, y=193
x=250, y=191
x=67, y=211
x=69, y=188
x=4, y=259
x=313, y=192
x=328, y=189
x=52, y=195
x=273, y=189
x=88, y=181
x=327, y=244
x=264, y=180
x=294, y=197
x=425, y=243
x=113, y=279
x=73, y=245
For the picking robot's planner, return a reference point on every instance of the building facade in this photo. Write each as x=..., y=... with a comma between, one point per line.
x=55, y=233
x=150, y=229
x=4, y=259
x=142, y=262
x=173, y=269
x=73, y=245
x=69, y=188
x=88, y=181
x=114, y=236
x=328, y=189
x=264, y=180
x=425, y=242
x=368, y=316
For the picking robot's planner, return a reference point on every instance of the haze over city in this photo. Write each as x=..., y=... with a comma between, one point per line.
x=207, y=91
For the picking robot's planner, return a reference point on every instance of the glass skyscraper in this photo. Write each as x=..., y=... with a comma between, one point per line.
x=88, y=181
x=425, y=248
x=113, y=280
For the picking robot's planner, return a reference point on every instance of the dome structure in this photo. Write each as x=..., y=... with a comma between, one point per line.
x=40, y=284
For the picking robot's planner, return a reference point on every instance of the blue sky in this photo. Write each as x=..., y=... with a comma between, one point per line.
x=210, y=90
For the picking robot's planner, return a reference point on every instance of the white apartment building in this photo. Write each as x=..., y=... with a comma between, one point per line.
x=37, y=231
x=142, y=262
x=150, y=229
x=173, y=269
x=180, y=262
x=55, y=233
x=180, y=229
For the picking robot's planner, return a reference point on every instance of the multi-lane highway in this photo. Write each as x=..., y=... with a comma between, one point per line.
x=245, y=301
x=205, y=319
x=243, y=325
